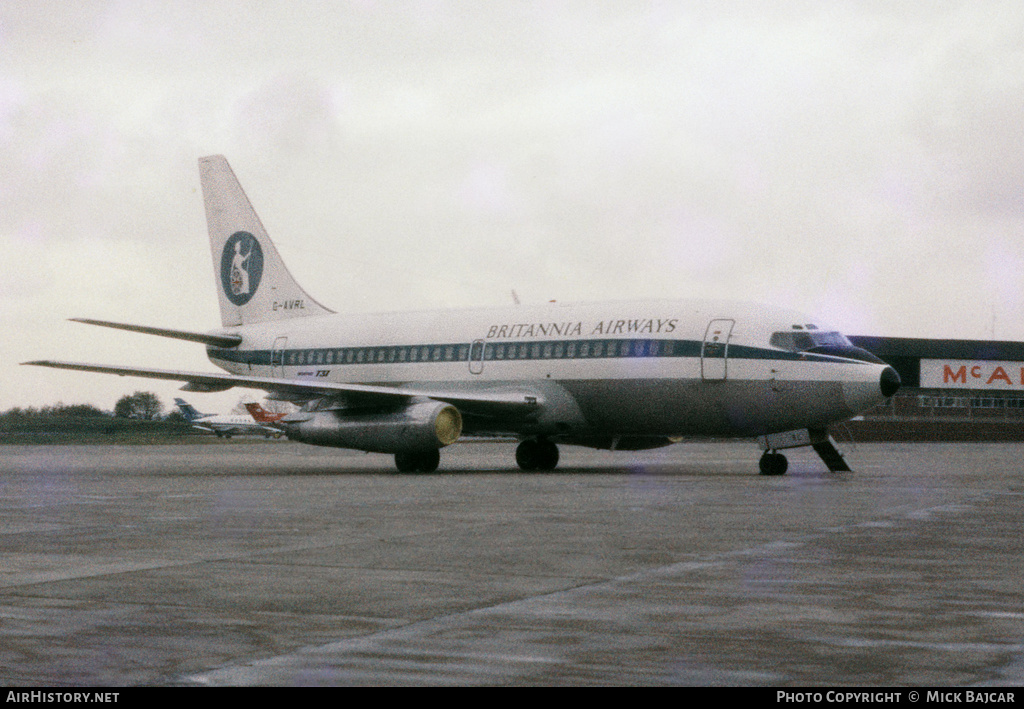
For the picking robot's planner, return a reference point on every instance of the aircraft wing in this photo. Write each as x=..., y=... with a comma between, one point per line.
x=481, y=402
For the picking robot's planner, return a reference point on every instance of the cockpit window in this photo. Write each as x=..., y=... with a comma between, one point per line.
x=792, y=341
x=801, y=341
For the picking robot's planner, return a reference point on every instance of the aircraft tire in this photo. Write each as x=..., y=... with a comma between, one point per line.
x=405, y=462
x=526, y=455
x=549, y=455
x=418, y=462
x=537, y=455
x=773, y=464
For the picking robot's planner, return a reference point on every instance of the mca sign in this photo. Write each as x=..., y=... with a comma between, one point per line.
x=971, y=374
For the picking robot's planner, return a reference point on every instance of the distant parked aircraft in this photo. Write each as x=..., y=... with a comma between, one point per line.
x=261, y=415
x=225, y=425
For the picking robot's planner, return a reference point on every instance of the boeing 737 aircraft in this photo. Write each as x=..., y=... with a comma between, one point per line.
x=618, y=375
x=225, y=425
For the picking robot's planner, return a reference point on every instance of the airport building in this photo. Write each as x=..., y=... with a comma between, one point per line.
x=952, y=390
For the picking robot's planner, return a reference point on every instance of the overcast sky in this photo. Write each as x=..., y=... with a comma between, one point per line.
x=861, y=161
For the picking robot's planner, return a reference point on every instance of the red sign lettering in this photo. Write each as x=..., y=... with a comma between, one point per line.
x=959, y=375
x=999, y=373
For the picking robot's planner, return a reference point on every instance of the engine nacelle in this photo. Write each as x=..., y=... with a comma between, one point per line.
x=417, y=428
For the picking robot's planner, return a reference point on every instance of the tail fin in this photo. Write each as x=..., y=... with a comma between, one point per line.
x=253, y=284
x=261, y=415
x=187, y=410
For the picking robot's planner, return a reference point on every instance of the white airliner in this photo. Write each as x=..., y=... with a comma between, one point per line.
x=617, y=375
x=225, y=425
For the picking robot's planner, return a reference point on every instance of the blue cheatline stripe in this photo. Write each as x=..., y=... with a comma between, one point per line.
x=501, y=351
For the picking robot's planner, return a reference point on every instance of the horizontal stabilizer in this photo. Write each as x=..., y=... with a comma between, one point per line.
x=216, y=340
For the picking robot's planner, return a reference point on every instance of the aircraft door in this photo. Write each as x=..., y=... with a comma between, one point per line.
x=277, y=357
x=476, y=356
x=714, y=353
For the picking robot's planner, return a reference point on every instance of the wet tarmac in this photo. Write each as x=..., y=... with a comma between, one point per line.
x=252, y=563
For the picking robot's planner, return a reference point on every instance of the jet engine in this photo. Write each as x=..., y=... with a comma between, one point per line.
x=419, y=427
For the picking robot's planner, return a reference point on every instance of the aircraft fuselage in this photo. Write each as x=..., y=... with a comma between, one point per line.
x=639, y=368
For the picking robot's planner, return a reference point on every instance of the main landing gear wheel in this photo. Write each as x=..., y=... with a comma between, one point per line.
x=537, y=455
x=418, y=462
x=773, y=464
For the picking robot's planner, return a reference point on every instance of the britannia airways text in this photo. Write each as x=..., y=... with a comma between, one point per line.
x=649, y=326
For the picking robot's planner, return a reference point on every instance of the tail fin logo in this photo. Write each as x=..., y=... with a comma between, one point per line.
x=241, y=267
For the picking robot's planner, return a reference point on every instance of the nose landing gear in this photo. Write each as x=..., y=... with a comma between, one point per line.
x=773, y=463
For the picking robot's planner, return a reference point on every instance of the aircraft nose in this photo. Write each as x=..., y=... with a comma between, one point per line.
x=890, y=382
